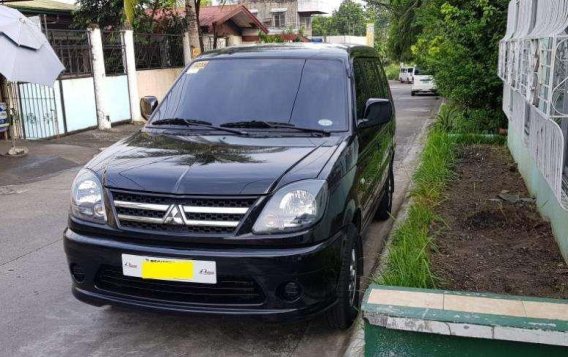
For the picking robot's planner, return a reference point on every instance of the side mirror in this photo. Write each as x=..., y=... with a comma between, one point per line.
x=147, y=106
x=377, y=111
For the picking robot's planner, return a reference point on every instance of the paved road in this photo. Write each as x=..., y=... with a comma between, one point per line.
x=39, y=317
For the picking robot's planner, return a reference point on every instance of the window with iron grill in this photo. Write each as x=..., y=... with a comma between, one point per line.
x=73, y=49
x=279, y=19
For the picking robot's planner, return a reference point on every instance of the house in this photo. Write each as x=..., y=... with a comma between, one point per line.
x=281, y=16
x=55, y=15
x=534, y=68
x=223, y=25
x=229, y=24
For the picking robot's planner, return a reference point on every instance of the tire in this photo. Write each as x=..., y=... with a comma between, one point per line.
x=385, y=207
x=343, y=314
x=413, y=94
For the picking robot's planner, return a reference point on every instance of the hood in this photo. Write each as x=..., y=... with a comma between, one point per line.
x=210, y=165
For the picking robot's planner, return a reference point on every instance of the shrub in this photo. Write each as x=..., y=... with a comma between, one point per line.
x=392, y=71
x=459, y=45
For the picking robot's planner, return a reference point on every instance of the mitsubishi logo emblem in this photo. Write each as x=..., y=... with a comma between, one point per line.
x=175, y=215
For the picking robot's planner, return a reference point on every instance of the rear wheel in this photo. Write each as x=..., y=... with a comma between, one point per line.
x=385, y=207
x=342, y=315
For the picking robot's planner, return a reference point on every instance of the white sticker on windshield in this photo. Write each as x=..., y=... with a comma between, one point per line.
x=325, y=122
x=197, y=66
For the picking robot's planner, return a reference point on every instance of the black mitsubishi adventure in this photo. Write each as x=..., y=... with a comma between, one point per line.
x=246, y=192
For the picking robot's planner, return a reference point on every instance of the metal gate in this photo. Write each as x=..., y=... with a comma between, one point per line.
x=34, y=111
x=39, y=112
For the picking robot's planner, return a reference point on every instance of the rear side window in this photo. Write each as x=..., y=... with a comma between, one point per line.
x=361, y=90
x=370, y=82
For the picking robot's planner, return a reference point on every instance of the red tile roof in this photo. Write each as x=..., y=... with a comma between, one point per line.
x=210, y=15
x=218, y=15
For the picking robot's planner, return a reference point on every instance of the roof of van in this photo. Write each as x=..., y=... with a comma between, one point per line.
x=293, y=50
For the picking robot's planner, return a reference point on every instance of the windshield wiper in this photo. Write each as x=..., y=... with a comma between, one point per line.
x=194, y=122
x=260, y=124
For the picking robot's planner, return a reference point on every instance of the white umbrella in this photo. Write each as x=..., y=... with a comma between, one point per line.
x=23, y=64
x=26, y=55
x=20, y=29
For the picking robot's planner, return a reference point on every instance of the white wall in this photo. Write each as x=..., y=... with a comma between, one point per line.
x=79, y=98
x=117, y=101
x=156, y=82
x=354, y=40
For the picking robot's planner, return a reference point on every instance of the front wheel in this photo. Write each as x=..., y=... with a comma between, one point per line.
x=385, y=207
x=343, y=314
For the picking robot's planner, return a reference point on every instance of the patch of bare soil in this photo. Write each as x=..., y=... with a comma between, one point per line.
x=491, y=237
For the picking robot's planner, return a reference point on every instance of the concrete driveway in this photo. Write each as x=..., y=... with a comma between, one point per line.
x=39, y=317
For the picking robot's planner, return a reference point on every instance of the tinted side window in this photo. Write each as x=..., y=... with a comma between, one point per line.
x=361, y=90
x=370, y=82
x=374, y=82
x=383, y=78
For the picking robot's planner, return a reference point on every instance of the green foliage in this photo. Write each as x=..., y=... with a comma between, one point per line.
x=447, y=118
x=105, y=13
x=459, y=44
x=457, y=120
x=408, y=261
x=392, y=71
x=321, y=25
x=403, y=27
x=264, y=38
x=349, y=19
x=110, y=14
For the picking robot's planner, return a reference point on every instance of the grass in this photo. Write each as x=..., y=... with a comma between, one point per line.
x=408, y=261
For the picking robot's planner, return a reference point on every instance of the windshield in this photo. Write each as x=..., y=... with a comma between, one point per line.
x=306, y=93
x=420, y=72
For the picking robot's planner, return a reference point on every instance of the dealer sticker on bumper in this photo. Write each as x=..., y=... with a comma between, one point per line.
x=194, y=271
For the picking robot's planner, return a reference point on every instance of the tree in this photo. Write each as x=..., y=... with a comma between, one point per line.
x=193, y=28
x=129, y=10
x=321, y=25
x=349, y=19
x=105, y=13
x=460, y=43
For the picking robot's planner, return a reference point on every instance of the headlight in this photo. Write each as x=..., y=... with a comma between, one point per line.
x=87, y=201
x=293, y=208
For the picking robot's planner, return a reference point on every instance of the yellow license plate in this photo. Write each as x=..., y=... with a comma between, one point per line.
x=167, y=270
x=191, y=271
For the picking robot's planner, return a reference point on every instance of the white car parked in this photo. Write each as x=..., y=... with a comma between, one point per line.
x=406, y=74
x=423, y=83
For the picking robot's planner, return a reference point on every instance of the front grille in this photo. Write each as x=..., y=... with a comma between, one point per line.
x=180, y=215
x=227, y=291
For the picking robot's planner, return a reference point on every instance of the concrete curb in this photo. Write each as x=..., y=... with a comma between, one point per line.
x=356, y=346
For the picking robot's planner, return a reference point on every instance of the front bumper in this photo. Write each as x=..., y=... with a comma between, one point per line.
x=315, y=269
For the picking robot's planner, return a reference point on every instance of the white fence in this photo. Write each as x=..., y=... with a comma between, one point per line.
x=533, y=64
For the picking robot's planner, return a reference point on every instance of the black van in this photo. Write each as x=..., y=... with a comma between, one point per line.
x=246, y=192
